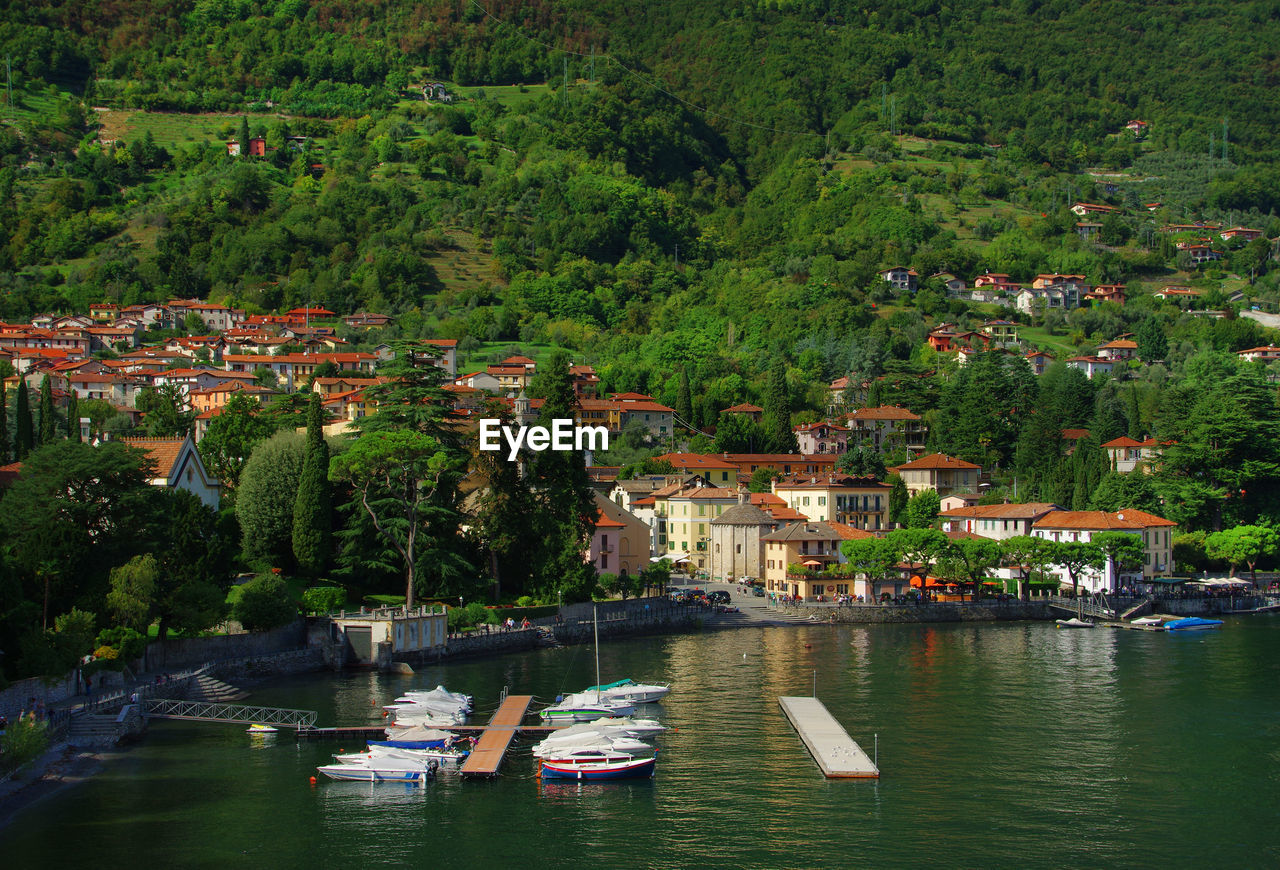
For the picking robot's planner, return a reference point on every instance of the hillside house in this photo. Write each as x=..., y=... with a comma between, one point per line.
x=901, y=278
x=821, y=437
x=886, y=428
x=939, y=472
x=1091, y=365
x=177, y=465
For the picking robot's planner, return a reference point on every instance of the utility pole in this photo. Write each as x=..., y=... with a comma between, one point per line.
x=593, y=64
x=8, y=78
x=1224, y=140
x=564, y=66
x=677, y=256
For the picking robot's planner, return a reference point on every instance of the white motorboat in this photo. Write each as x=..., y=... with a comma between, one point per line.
x=584, y=707
x=566, y=746
x=1074, y=623
x=1148, y=621
x=441, y=694
x=383, y=768
x=628, y=726
x=414, y=715
x=444, y=758
x=630, y=690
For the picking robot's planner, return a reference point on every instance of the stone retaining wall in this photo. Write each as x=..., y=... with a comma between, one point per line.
x=936, y=612
x=182, y=653
x=252, y=669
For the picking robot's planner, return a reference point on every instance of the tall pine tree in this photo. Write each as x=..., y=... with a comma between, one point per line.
x=23, y=431
x=48, y=427
x=311, y=507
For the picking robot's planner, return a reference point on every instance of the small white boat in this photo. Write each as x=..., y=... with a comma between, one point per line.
x=584, y=708
x=450, y=758
x=414, y=715
x=628, y=726
x=381, y=769
x=442, y=695
x=1075, y=623
x=568, y=746
x=630, y=690
x=1150, y=621
x=596, y=771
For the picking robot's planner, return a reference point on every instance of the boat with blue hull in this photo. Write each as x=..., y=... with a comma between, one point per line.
x=1191, y=623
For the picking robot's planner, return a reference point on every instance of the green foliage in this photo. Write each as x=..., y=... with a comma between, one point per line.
x=263, y=603
x=312, y=506
x=779, y=437
x=899, y=498
x=129, y=644
x=23, y=740
x=1243, y=545
x=323, y=599
x=133, y=589
x=862, y=462
x=231, y=437
x=48, y=421
x=24, y=433
x=922, y=509
x=266, y=496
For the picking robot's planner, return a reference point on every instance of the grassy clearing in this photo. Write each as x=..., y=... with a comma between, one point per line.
x=171, y=129
x=466, y=265
x=491, y=352
x=1058, y=345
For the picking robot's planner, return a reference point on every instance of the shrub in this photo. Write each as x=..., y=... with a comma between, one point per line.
x=264, y=603
x=324, y=599
x=526, y=601
x=127, y=643
x=22, y=741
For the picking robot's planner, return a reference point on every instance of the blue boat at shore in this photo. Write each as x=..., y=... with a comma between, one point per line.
x=1191, y=623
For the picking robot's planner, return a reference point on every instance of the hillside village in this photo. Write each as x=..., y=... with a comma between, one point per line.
x=776, y=519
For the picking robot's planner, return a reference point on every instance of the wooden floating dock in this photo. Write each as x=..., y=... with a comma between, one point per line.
x=831, y=746
x=486, y=757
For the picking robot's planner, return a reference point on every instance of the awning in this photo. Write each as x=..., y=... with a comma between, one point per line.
x=673, y=557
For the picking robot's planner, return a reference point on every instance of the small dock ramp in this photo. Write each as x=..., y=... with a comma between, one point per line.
x=486, y=757
x=831, y=746
x=203, y=711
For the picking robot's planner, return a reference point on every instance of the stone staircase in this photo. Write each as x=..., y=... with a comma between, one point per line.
x=206, y=688
x=547, y=638
x=94, y=729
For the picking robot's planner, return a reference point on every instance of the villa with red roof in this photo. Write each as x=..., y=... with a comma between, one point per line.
x=1156, y=534
x=177, y=465
x=941, y=473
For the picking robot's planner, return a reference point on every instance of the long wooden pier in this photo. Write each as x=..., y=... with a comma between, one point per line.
x=486, y=757
x=831, y=746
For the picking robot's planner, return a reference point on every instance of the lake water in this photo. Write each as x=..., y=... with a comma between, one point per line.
x=1003, y=745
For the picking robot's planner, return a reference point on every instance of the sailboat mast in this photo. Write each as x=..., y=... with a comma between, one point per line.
x=595, y=622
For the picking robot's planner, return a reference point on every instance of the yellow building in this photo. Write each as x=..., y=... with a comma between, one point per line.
x=688, y=513
x=861, y=502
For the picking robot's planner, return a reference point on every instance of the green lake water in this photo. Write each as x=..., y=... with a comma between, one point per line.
x=1012, y=745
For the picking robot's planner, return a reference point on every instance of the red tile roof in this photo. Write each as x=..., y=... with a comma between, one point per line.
x=936, y=460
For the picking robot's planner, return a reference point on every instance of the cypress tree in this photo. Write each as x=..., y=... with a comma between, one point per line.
x=684, y=399
x=73, y=414
x=777, y=411
x=47, y=421
x=311, y=508
x=4, y=424
x=24, y=435
x=244, y=136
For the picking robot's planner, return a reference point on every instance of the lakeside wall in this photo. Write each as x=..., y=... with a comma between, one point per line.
x=188, y=652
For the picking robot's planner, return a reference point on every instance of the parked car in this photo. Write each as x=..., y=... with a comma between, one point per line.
x=758, y=591
x=718, y=596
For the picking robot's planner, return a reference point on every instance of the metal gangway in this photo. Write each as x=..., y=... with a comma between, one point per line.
x=205, y=711
x=1083, y=606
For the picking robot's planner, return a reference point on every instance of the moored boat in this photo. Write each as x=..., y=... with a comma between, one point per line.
x=630, y=690
x=1075, y=623
x=599, y=771
x=1191, y=623
x=381, y=769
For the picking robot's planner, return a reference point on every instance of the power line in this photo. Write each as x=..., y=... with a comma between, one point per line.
x=644, y=79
